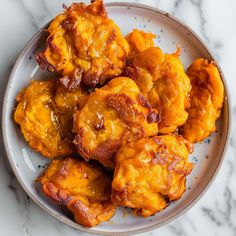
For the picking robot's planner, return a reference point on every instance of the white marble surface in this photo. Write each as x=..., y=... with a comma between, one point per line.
x=215, y=22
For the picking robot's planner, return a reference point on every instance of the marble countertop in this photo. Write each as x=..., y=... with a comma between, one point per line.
x=214, y=21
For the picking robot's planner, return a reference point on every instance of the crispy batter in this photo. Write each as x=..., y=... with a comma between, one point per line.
x=67, y=100
x=145, y=68
x=170, y=94
x=85, y=46
x=45, y=115
x=150, y=173
x=139, y=41
x=113, y=115
x=162, y=80
x=85, y=189
x=206, y=97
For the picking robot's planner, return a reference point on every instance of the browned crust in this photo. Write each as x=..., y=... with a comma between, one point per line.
x=68, y=24
x=90, y=79
x=159, y=158
x=131, y=71
x=104, y=152
x=99, y=122
x=97, y=8
x=86, y=217
x=120, y=198
x=82, y=213
x=143, y=101
x=43, y=63
x=73, y=81
x=123, y=105
x=111, y=37
x=153, y=117
x=52, y=46
x=58, y=195
x=79, y=145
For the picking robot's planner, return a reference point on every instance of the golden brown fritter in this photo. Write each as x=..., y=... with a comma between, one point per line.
x=45, y=115
x=150, y=173
x=145, y=68
x=66, y=100
x=163, y=81
x=170, y=94
x=85, y=189
x=139, y=41
x=206, y=97
x=85, y=46
x=113, y=115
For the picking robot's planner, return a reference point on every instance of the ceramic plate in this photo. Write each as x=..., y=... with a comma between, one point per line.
x=207, y=156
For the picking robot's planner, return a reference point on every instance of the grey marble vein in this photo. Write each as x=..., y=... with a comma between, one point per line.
x=177, y=230
x=210, y=213
x=218, y=45
x=231, y=170
x=27, y=203
x=47, y=12
x=30, y=15
x=11, y=183
x=191, y=223
x=198, y=4
x=13, y=188
x=177, y=4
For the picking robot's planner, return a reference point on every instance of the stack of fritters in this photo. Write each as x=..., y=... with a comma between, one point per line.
x=119, y=101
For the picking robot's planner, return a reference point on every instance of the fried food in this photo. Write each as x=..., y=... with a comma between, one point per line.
x=112, y=116
x=45, y=115
x=145, y=68
x=150, y=173
x=170, y=94
x=84, y=46
x=139, y=41
x=163, y=81
x=206, y=97
x=85, y=189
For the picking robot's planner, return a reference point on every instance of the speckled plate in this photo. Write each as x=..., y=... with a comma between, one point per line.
x=208, y=155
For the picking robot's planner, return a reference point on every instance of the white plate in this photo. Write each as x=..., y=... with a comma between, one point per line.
x=27, y=164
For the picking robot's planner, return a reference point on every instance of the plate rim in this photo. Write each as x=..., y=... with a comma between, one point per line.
x=195, y=198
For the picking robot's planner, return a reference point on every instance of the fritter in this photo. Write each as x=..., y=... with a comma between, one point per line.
x=150, y=173
x=84, y=46
x=85, y=189
x=139, y=41
x=163, y=81
x=112, y=116
x=45, y=115
x=206, y=97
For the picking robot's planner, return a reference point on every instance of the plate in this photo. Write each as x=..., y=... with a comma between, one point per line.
x=208, y=155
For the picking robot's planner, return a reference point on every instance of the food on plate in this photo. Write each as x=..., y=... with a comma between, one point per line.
x=206, y=97
x=144, y=68
x=170, y=94
x=84, y=46
x=163, y=81
x=120, y=101
x=84, y=188
x=139, y=41
x=150, y=173
x=45, y=115
x=66, y=100
x=112, y=116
